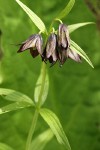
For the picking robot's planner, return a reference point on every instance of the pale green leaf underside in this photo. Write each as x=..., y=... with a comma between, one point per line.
x=36, y=20
x=66, y=10
x=40, y=142
x=38, y=88
x=74, y=27
x=14, y=106
x=15, y=96
x=3, y=146
x=75, y=47
x=56, y=127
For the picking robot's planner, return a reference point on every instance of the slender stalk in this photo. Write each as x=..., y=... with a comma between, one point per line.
x=43, y=70
x=32, y=130
x=36, y=114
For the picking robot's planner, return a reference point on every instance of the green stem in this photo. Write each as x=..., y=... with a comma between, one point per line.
x=36, y=114
x=43, y=71
x=32, y=130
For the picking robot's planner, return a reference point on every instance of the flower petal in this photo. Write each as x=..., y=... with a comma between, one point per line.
x=30, y=42
x=63, y=36
x=63, y=55
x=73, y=55
x=51, y=45
x=39, y=44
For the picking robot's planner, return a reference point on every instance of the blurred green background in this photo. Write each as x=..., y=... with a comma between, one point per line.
x=74, y=93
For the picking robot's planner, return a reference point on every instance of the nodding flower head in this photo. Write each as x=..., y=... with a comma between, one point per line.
x=57, y=47
x=50, y=52
x=34, y=44
x=64, y=49
x=63, y=43
x=63, y=37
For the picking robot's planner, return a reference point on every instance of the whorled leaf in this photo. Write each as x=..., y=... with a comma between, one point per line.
x=44, y=89
x=74, y=27
x=36, y=20
x=56, y=127
x=66, y=10
x=4, y=146
x=40, y=142
x=15, y=96
x=14, y=106
x=76, y=48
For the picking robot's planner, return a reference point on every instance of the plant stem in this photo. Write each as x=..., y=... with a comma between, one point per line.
x=36, y=114
x=32, y=129
x=43, y=71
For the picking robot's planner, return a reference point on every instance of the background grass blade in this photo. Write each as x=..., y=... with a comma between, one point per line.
x=56, y=127
x=75, y=47
x=66, y=10
x=36, y=20
x=40, y=142
x=15, y=96
x=74, y=27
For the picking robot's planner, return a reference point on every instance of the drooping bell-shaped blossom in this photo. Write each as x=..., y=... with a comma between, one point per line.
x=34, y=44
x=63, y=43
x=50, y=52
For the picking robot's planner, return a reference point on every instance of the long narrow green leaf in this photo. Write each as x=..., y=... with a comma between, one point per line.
x=40, y=142
x=56, y=127
x=73, y=27
x=14, y=106
x=66, y=10
x=3, y=146
x=15, y=96
x=36, y=20
x=76, y=48
x=38, y=88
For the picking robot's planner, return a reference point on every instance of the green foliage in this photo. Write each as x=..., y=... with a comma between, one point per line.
x=14, y=96
x=19, y=100
x=74, y=27
x=66, y=10
x=40, y=142
x=38, y=87
x=55, y=125
x=75, y=47
x=14, y=106
x=73, y=88
x=5, y=147
x=36, y=20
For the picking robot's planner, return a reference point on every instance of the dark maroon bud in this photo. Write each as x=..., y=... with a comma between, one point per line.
x=74, y=55
x=63, y=37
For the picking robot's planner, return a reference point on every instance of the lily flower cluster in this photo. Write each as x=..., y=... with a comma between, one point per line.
x=57, y=47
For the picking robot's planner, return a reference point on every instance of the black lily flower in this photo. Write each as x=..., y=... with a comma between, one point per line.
x=50, y=52
x=63, y=43
x=34, y=44
x=64, y=50
x=63, y=37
